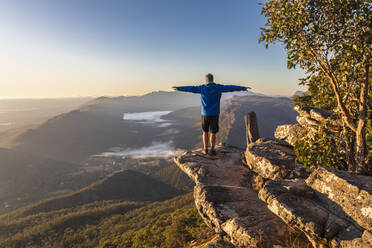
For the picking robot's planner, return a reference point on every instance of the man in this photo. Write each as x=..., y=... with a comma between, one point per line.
x=210, y=95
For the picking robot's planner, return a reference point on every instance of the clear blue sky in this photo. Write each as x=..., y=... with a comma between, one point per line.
x=130, y=47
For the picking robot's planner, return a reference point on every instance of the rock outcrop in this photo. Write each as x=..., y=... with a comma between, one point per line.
x=273, y=159
x=255, y=197
x=226, y=198
x=349, y=194
x=313, y=113
x=332, y=208
x=308, y=120
x=301, y=207
x=290, y=133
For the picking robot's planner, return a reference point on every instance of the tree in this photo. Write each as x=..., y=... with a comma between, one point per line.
x=332, y=41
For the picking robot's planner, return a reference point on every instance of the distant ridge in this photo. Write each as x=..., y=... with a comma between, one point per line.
x=98, y=125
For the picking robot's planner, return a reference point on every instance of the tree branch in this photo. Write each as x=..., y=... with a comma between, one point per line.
x=334, y=83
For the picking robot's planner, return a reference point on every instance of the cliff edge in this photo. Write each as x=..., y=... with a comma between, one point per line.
x=257, y=197
x=226, y=197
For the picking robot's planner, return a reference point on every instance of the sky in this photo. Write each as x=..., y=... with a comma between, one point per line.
x=72, y=48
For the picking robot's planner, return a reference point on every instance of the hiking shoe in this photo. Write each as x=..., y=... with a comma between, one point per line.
x=213, y=152
x=205, y=151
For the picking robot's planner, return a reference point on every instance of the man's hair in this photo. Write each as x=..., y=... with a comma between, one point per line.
x=210, y=77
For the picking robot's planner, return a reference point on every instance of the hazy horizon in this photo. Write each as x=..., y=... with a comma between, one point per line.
x=97, y=96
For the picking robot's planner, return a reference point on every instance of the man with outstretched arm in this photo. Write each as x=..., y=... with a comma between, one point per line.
x=210, y=95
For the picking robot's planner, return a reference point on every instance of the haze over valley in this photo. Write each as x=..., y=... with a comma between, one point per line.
x=105, y=136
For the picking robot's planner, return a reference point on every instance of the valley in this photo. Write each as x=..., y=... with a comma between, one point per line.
x=117, y=152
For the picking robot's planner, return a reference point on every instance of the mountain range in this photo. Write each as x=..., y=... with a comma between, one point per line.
x=99, y=125
x=86, y=167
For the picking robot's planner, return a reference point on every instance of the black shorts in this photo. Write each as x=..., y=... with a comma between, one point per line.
x=210, y=123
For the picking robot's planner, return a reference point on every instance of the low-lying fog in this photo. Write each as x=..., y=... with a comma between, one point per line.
x=158, y=149
x=151, y=118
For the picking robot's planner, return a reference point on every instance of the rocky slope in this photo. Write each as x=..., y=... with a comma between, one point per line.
x=254, y=201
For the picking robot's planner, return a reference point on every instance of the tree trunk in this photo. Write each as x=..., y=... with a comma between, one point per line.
x=361, y=140
x=361, y=147
x=350, y=148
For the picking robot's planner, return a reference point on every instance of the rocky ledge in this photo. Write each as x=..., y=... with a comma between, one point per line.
x=329, y=209
x=254, y=198
x=273, y=159
x=308, y=122
x=250, y=209
x=226, y=198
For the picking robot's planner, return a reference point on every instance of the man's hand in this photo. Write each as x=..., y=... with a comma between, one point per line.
x=247, y=88
x=174, y=88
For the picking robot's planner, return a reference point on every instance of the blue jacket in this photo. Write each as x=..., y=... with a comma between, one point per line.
x=210, y=95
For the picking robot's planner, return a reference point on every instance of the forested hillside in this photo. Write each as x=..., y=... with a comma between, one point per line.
x=125, y=186
x=172, y=223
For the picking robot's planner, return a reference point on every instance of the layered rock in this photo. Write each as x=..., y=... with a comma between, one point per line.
x=273, y=159
x=291, y=133
x=313, y=113
x=308, y=120
x=226, y=198
x=351, y=194
x=326, y=207
x=332, y=208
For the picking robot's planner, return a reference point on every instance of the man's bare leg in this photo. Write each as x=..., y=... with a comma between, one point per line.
x=213, y=143
x=205, y=140
x=213, y=140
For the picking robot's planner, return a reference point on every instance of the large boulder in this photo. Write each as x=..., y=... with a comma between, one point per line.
x=316, y=208
x=309, y=120
x=350, y=194
x=226, y=198
x=291, y=133
x=273, y=159
x=317, y=115
x=314, y=113
x=308, y=123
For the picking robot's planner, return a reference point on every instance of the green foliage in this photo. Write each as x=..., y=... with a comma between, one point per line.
x=322, y=148
x=319, y=94
x=172, y=223
x=332, y=42
x=314, y=30
x=175, y=230
x=116, y=187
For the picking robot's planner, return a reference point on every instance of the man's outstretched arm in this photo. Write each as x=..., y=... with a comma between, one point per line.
x=231, y=88
x=192, y=89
